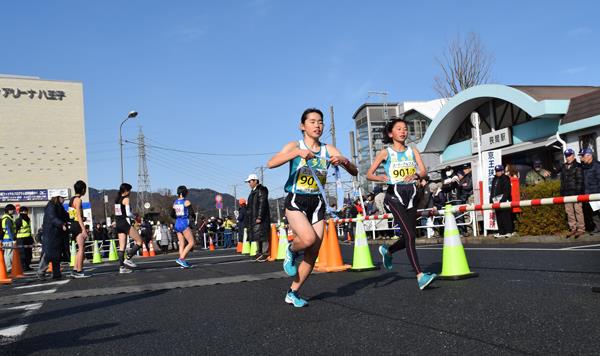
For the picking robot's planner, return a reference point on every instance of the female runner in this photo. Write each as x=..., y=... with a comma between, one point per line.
x=123, y=216
x=304, y=206
x=401, y=164
x=182, y=210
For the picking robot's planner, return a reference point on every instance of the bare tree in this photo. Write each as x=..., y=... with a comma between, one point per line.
x=465, y=63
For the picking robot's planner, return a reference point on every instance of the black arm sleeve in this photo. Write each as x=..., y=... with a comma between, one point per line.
x=173, y=215
x=191, y=214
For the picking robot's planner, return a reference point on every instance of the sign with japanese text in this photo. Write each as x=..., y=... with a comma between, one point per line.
x=490, y=160
x=32, y=94
x=23, y=195
x=496, y=139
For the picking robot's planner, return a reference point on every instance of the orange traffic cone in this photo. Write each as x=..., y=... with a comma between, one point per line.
x=349, y=239
x=3, y=276
x=211, y=247
x=145, y=251
x=49, y=269
x=239, y=247
x=16, y=270
x=152, y=253
x=273, y=244
x=332, y=253
x=322, y=258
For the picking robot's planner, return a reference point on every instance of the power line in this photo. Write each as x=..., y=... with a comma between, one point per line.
x=203, y=153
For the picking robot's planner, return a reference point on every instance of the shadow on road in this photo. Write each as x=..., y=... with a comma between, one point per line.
x=54, y=314
x=381, y=280
x=68, y=338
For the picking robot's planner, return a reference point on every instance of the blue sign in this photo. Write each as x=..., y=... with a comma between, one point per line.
x=219, y=205
x=23, y=195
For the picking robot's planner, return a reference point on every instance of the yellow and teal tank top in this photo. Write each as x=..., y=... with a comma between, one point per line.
x=400, y=165
x=301, y=180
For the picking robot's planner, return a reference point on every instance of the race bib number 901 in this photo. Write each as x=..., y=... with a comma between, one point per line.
x=401, y=169
x=306, y=182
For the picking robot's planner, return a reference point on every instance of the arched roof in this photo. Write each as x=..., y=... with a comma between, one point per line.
x=462, y=104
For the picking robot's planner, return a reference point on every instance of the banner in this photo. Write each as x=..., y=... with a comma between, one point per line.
x=490, y=160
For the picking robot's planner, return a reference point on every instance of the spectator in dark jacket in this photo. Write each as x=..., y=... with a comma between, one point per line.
x=500, y=193
x=591, y=182
x=571, y=183
x=241, y=219
x=465, y=185
x=54, y=228
x=258, y=218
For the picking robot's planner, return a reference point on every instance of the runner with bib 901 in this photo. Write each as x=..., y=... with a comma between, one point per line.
x=304, y=205
x=403, y=169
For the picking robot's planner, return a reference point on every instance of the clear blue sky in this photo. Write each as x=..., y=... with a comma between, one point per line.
x=234, y=76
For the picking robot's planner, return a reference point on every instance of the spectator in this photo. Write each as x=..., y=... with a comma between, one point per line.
x=228, y=226
x=591, y=182
x=146, y=232
x=369, y=204
x=500, y=193
x=24, y=237
x=571, y=183
x=258, y=215
x=537, y=174
x=240, y=219
x=358, y=207
x=378, y=200
x=511, y=171
x=439, y=197
x=465, y=185
x=450, y=184
x=202, y=229
x=173, y=237
x=55, y=233
x=9, y=234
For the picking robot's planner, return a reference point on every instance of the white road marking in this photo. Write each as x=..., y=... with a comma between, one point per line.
x=580, y=247
x=44, y=284
x=16, y=330
x=47, y=291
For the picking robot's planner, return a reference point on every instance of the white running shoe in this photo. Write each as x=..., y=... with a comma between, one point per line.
x=124, y=270
x=128, y=262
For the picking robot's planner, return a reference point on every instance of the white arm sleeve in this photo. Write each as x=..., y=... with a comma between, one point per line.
x=128, y=212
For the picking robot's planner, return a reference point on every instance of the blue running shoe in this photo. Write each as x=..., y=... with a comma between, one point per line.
x=386, y=258
x=289, y=263
x=181, y=263
x=426, y=280
x=295, y=300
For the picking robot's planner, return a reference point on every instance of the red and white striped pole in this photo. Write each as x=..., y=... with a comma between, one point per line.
x=584, y=198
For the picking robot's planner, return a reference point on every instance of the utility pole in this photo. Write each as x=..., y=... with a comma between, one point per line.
x=262, y=174
x=332, y=129
x=235, y=196
x=143, y=178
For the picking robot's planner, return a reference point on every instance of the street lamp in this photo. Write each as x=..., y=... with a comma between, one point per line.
x=131, y=115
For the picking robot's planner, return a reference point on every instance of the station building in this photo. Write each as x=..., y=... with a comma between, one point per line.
x=42, y=142
x=526, y=123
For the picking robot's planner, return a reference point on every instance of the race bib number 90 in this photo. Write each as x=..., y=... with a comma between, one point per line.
x=306, y=181
x=401, y=169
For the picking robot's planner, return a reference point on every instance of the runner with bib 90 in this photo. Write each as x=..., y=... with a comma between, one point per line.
x=403, y=169
x=304, y=206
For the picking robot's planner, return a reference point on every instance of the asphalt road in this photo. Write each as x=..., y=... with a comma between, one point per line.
x=528, y=299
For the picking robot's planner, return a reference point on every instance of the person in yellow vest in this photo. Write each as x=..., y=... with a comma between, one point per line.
x=8, y=234
x=24, y=237
x=228, y=226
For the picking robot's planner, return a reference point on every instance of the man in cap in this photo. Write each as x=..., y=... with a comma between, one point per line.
x=537, y=174
x=571, y=183
x=500, y=192
x=465, y=184
x=258, y=215
x=55, y=231
x=591, y=182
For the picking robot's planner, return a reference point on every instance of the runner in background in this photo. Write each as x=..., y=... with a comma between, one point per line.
x=77, y=228
x=123, y=218
x=182, y=210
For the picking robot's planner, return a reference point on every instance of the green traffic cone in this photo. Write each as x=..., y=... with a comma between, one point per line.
x=112, y=252
x=362, y=255
x=283, y=244
x=253, y=248
x=245, y=244
x=73, y=254
x=454, y=260
x=97, y=258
